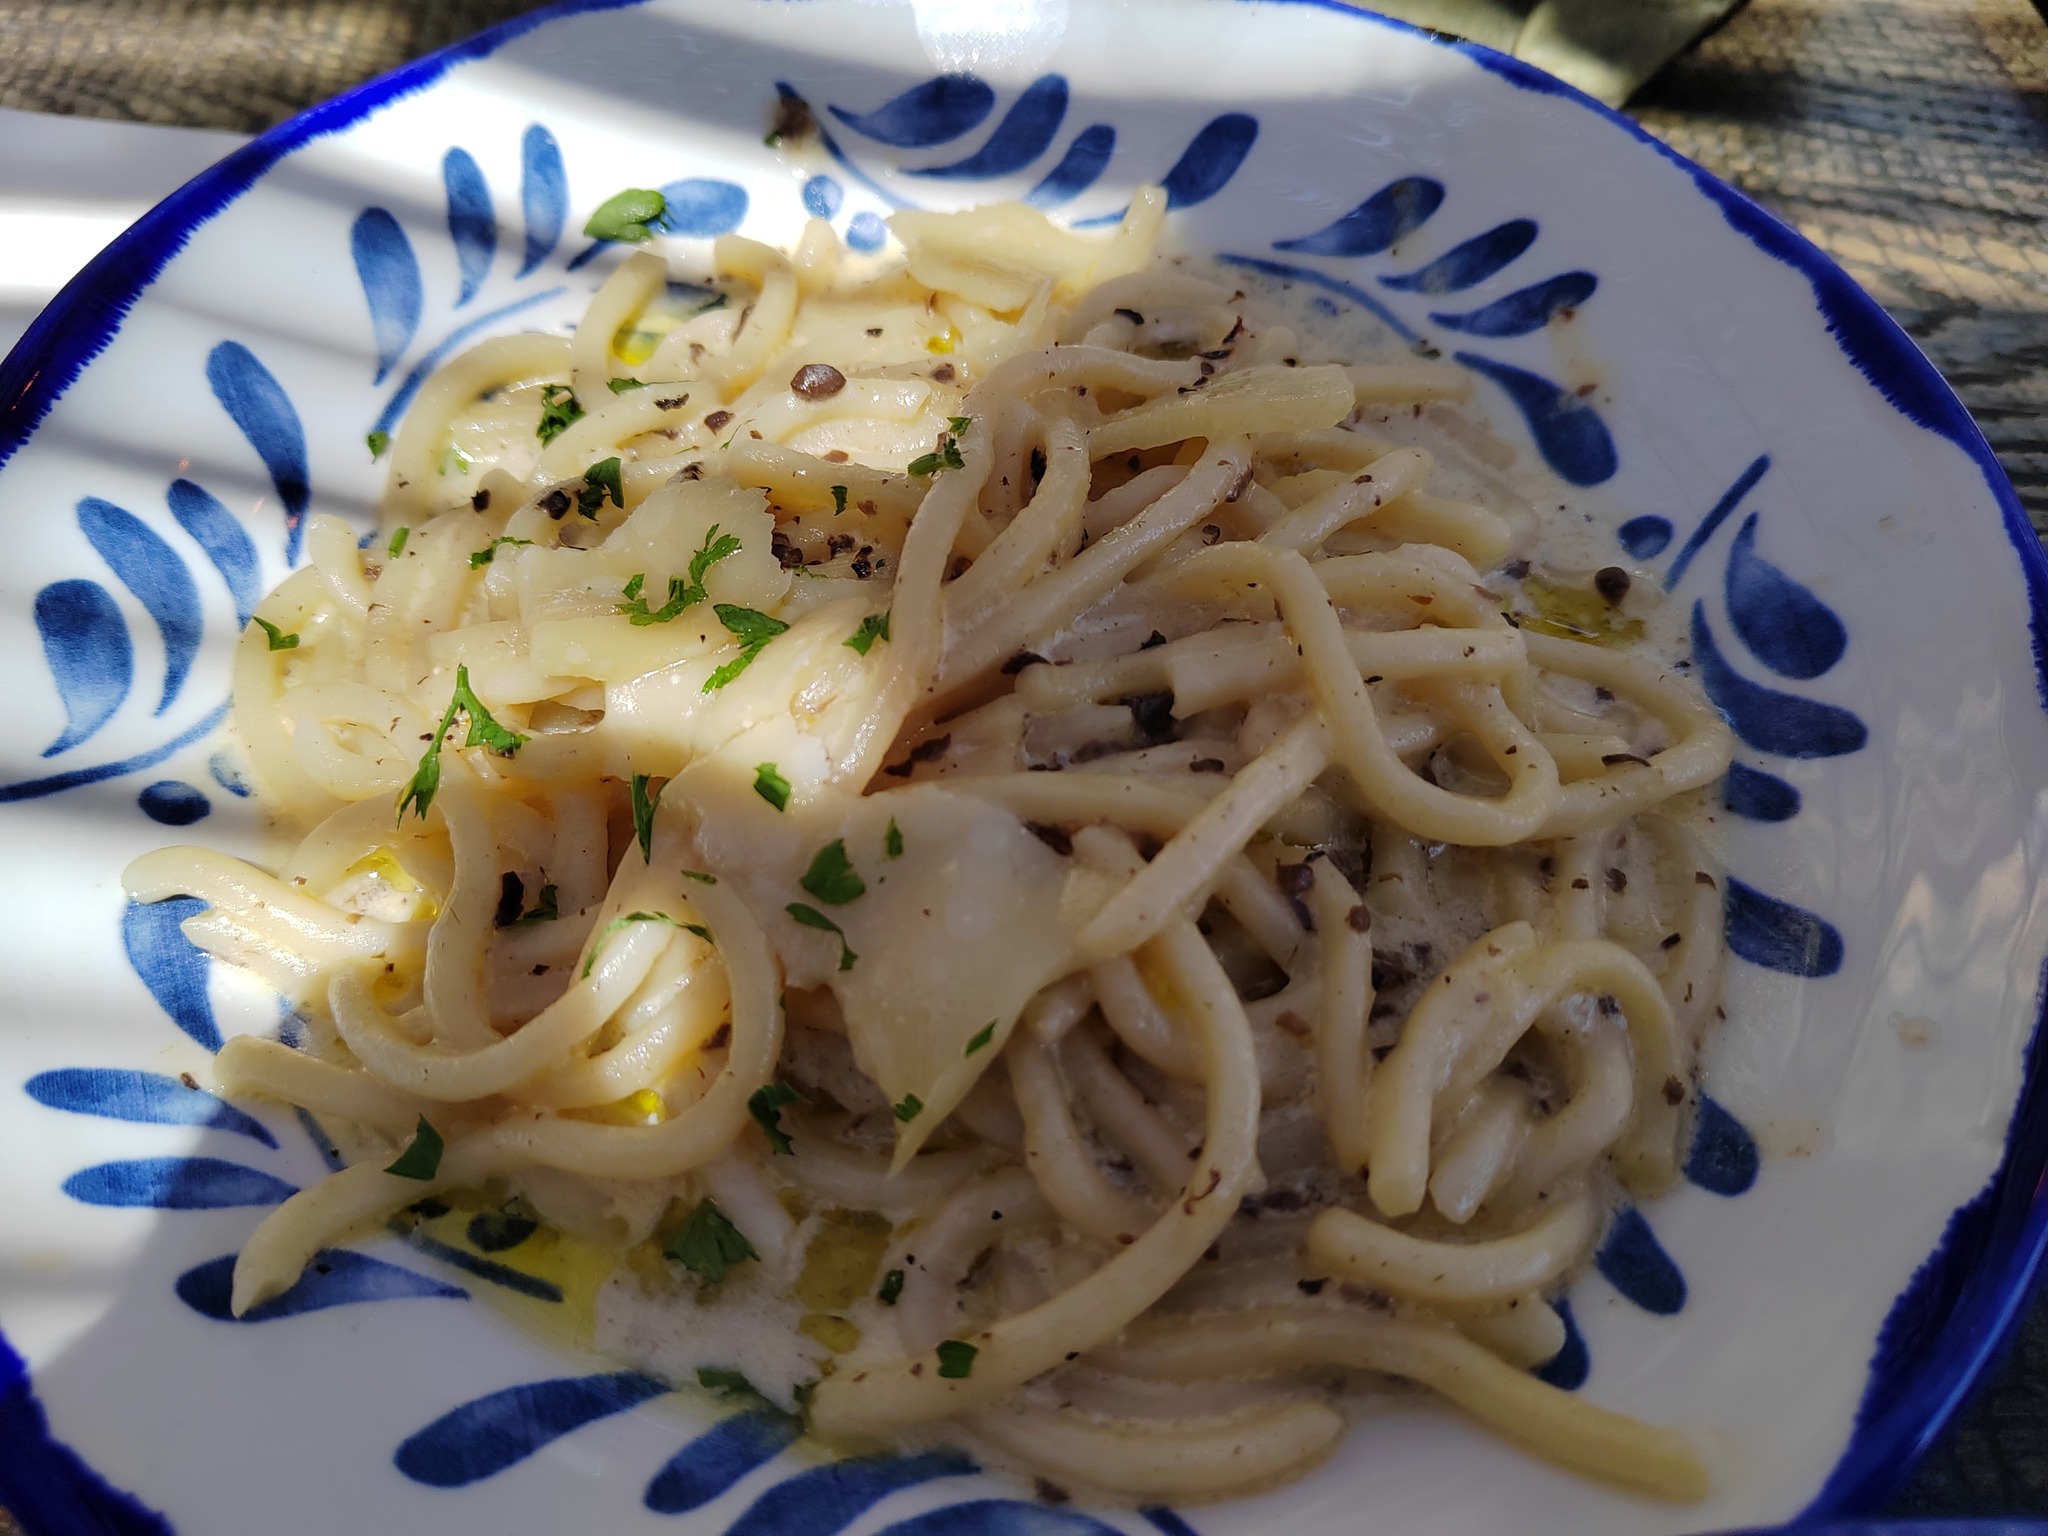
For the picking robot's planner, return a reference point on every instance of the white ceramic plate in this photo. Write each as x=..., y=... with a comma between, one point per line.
x=1866, y=601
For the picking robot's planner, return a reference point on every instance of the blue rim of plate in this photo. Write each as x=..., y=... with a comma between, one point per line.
x=1961, y=1305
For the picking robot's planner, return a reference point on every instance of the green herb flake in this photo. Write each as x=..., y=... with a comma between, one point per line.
x=872, y=628
x=454, y=461
x=831, y=877
x=892, y=1288
x=707, y=1244
x=700, y=877
x=624, y=386
x=771, y=786
x=489, y=552
x=379, y=442
x=908, y=1109
x=811, y=917
x=559, y=412
x=546, y=909
x=483, y=731
x=716, y=547
x=766, y=1105
x=956, y=1359
x=716, y=1378
x=279, y=640
x=701, y=931
x=753, y=629
x=615, y=925
x=959, y=424
x=398, y=542
x=838, y=499
x=628, y=216
x=421, y=1158
x=892, y=841
x=644, y=802
x=946, y=455
x=682, y=593
x=601, y=480
x=982, y=1037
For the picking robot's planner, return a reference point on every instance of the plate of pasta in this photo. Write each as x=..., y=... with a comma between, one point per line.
x=1069, y=769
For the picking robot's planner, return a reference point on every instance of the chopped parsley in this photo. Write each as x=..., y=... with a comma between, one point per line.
x=752, y=629
x=644, y=803
x=872, y=628
x=946, y=456
x=615, y=925
x=489, y=552
x=701, y=931
x=766, y=1104
x=398, y=542
x=892, y=1287
x=838, y=499
x=279, y=640
x=956, y=1359
x=892, y=841
x=629, y=216
x=559, y=412
x=908, y=1108
x=545, y=910
x=378, y=441
x=831, y=877
x=682, y=593
x=716, y=1378
x=707, y=1244
x=483, y=731
x=982, y=1037
x=811, y=917
x=700, y=877
x=421, y=1158
x=599, y=481
x=771, y=786
x=621, y=386
x=454, y=461
x=959, y=424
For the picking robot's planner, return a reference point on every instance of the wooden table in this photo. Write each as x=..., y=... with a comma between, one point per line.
x=1907, y=138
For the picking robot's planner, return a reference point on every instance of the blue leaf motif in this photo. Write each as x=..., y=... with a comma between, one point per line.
x=1724, y=1156
x=335, y=1277
x=1397, y=209
x=1782, y=723
x=943, y=108
x=1085, y=160
x=822, y=197
x=48, y=1482
x=1164, y=1519
x=543, y=195
x=150, y=569
x=1526, y=309
x=827, y=1499
x=482, y=1438
x=1636, y=1265
x=171, y=965
x=390, y=275
x=472, y=222
x=503, y=1276
x=1645, y=537
x=176, y=1184
x=720, y=1457
x=174, y=803
x=999, y=1517
x=91, y=658
x=1569, y=433
x=1758, y=795
x=146, y=1098
x=1568, y=1369
x=1730, y=500
x=1210, y=160
x=1779, y=936
x=227, y=543
x=1784, y=625
x=1026, y=132
x=701, y=207
x=1470, y=264
x=257, y=404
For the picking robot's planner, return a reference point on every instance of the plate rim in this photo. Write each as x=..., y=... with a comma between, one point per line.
x=1972, y=1287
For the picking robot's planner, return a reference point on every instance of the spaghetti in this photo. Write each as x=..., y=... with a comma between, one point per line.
x=981, y=817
